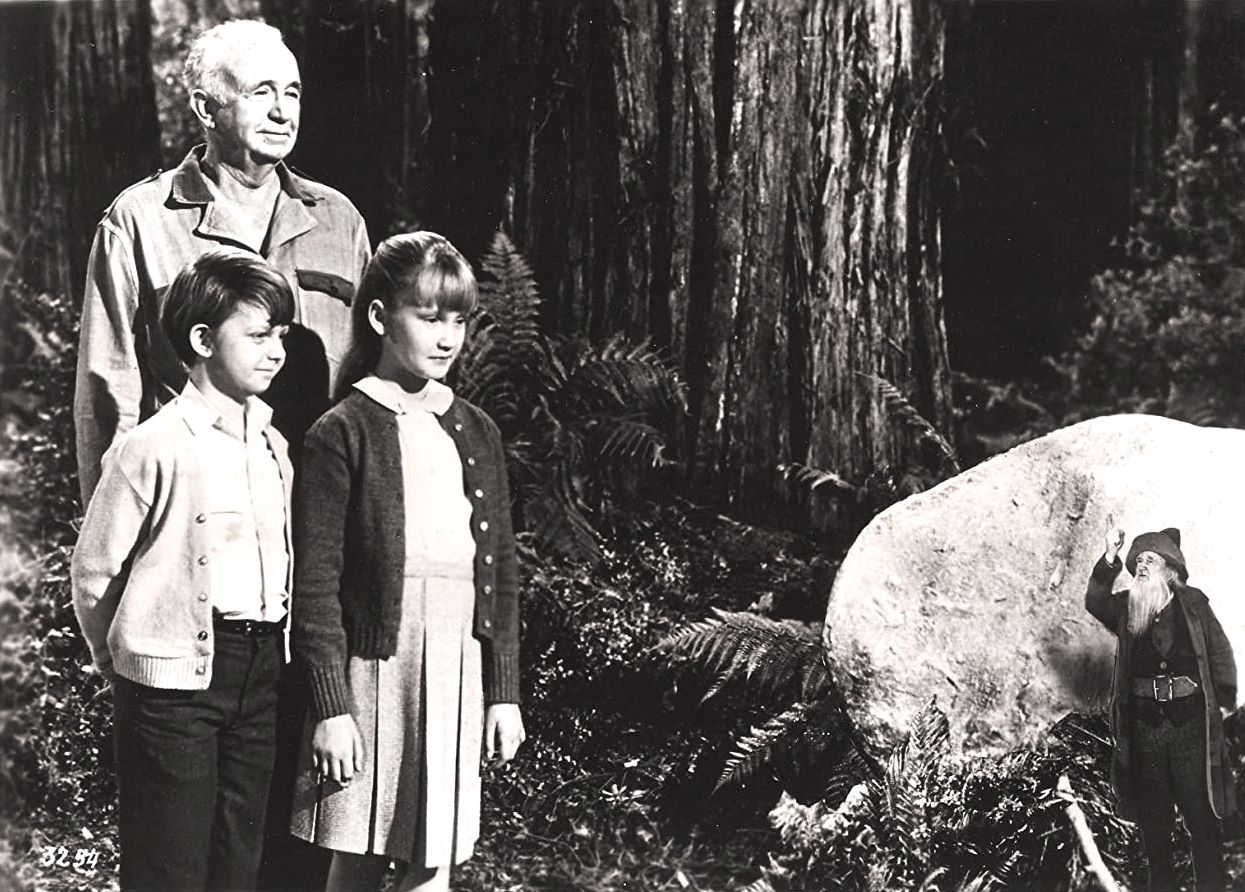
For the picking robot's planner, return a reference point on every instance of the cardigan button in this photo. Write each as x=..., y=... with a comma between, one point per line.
x=479, y=493
x=203, y=560
x=483, y=525
x=488, y=624
x=202, y=596
x=203, y=635
x=488, y=560
x=488, y=590
x=458, y=427
x=1162, y=664
x=471, y=461
x=200, y=518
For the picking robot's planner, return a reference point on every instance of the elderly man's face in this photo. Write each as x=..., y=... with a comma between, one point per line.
x=258, y=116
x=1150, y=564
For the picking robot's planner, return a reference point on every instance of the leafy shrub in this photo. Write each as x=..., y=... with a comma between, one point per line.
x=54, y=711
x=594, y=800
x=1168, y=321
x=933, y=821
x=583, y=423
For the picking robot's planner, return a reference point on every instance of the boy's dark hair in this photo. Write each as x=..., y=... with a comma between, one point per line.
x=208, y=291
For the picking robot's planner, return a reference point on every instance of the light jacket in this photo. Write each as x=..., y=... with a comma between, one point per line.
x=350, y=546
x=141, y=572
x=126, y=367
x=1215, y=665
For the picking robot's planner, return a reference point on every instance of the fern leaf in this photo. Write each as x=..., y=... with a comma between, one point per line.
x=897, y=406
x=634, y=442
x=761, y=885
x=773, y=657
x=814, y=477
x=754, y=749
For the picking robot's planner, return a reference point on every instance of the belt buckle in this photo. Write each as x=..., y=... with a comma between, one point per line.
x=1171, y=689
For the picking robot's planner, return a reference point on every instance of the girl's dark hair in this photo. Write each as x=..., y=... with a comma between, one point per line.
x=209, y=290
x=417, y=268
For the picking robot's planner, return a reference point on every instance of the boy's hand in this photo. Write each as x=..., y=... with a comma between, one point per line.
x=503, y=731
x=337, y=749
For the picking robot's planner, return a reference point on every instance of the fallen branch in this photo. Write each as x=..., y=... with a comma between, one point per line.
x=1063, y=790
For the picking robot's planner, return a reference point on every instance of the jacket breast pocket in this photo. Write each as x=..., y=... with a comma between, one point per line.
x=324, y=308
x=328, y=283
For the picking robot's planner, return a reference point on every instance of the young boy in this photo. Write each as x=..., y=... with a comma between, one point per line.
x=181, y=583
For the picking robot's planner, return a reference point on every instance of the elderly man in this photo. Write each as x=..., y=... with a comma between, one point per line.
x=1175, y=680
x=235, y=190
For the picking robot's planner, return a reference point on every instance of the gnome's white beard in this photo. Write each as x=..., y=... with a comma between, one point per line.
x=1148, y=595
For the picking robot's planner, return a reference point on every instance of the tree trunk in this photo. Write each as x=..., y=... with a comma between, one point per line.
x=365, y=116
x=78, y=114
x=747, y=184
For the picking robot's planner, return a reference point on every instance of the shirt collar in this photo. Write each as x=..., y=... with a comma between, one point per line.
x=190, y=185
x=435, y=397
x=202, y=416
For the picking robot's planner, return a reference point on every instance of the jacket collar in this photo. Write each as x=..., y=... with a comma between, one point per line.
x=190, y=184
x=290, y=218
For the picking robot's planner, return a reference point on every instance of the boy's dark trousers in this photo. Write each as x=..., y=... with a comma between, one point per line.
x=193, y=769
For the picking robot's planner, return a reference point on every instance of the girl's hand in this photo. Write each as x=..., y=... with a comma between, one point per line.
x=503, y=731
x=337, y=749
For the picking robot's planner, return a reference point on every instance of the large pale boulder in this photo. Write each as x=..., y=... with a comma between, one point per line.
x=974, y=591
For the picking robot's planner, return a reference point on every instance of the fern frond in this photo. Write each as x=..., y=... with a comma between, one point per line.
x=761, y=885
x=755, y=748
x=898, y=406
x=772, y=657
x=929, y=743
x=813, y=477
x=509, y=297
x=634, y=442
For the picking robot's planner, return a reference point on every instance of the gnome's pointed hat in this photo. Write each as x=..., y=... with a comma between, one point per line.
x=1166, y=544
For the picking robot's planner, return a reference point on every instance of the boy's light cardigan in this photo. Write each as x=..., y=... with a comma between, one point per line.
x=141, y=571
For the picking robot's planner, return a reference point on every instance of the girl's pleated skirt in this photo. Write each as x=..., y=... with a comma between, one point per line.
x=421, y=715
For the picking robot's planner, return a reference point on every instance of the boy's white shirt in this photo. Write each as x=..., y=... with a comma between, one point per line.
x=249, y=552
x=144, y=547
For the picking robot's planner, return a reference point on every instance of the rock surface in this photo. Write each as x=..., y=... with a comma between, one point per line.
x=974, y=591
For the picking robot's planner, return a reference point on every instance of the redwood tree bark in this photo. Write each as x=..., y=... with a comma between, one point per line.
x=747, y=184
x=77, y=125
x=365, y=109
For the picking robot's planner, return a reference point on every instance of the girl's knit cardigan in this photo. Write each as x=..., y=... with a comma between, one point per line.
x=349, y=548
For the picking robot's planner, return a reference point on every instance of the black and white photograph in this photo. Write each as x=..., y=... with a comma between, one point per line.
x=622, y=445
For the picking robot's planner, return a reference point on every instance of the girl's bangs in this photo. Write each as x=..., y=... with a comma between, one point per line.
x=450, y=290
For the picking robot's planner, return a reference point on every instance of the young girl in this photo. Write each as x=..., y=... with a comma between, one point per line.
x=406, y=589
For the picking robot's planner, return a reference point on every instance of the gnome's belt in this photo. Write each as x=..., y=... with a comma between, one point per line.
x=1164, y=687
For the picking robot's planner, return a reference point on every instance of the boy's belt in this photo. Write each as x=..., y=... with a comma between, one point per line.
x=252, y=628
x=1164, y=687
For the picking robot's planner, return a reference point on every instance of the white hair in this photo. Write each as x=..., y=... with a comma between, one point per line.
x=202, y=68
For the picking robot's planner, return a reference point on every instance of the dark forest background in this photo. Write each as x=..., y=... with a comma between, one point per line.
x=776, y=264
